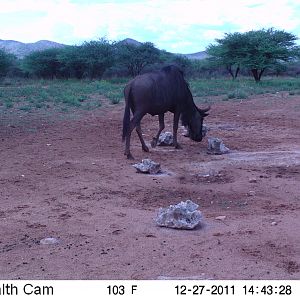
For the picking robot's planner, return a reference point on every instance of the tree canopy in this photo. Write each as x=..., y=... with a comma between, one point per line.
x=136, y=57
x=6, y=61
x=254, y=50
x=43, y=64
x=97, y=56
x=227, y=53
x=90, y=59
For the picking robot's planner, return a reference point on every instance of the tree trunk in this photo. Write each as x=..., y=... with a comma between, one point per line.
x=255, y=74
x=232, y=73
x=236, y=72
x=261, y=72
x=229, y=69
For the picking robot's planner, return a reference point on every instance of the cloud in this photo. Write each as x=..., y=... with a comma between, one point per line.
x=279, y=14
x=179, y=25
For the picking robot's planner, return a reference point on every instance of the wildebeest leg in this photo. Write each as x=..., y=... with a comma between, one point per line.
x=139, y=132
x=133, y=123
x=175, y=128
x=161, y=119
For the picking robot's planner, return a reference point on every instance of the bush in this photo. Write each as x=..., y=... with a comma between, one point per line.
x=43, y=64
x=7, y=61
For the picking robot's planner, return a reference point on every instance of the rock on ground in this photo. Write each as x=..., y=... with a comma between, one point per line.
x=165, y=139
x=49, y=241
x=183, y=215
x=147, y=166
x=216, y=146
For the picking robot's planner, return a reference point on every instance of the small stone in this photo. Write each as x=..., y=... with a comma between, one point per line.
x=49, y=241
x=186, y=132
x=147, y=166
x=274, y=223
x=216, y=146
x=221, y=218
x=183, y=215
x=165, y=139
x=205, y=129
x=251, y=193
x=253, y=180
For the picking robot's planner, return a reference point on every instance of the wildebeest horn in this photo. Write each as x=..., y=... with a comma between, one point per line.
x=206, y=109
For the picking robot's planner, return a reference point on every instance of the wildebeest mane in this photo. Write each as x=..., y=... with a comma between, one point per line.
x=176, y=88
x=179, y=90
x=169, y=84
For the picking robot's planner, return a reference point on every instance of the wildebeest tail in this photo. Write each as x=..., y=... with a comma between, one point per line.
x=126, y=118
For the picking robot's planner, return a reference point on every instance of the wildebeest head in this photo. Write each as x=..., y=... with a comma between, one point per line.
x=195, y=124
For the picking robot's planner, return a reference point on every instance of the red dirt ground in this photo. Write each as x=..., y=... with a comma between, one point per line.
x=70, y=180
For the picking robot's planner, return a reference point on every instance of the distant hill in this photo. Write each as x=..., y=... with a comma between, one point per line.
x=130, y=42
x=197, y=55
x=22, y=49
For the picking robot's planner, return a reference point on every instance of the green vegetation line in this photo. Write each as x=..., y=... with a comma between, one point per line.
x=28, y=95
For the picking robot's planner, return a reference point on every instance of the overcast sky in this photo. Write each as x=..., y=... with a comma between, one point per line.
x=174, y=25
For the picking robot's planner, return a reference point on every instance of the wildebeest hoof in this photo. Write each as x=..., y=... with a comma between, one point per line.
x=177, y=146
x=154, y=142
x=129, y=156
x=145, y=148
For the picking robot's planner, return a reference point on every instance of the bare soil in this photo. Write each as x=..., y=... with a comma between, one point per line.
x=69, y=180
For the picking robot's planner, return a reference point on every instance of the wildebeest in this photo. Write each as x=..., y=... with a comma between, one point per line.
x=156, y=93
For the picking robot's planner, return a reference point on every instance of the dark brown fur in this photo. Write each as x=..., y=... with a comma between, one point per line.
x=156, y=93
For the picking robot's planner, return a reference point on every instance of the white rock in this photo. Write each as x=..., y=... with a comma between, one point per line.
x=147, y=166
x=165, y=139
x=183, y=215
x=251, y=193
x=49, y=241
x=216, y=146
x=221, y=218
x=252, y=180
x=205, y=129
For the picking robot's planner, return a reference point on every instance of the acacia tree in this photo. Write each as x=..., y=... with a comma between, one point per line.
x=255, y=50
x=6, y=62
x=91, y=59
x=227, y=53
x=97, y=56
x=268, y=48
x=43, y=63
x=136, y=57
x=72, y=62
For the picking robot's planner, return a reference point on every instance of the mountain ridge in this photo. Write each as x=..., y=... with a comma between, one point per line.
x=21, y=49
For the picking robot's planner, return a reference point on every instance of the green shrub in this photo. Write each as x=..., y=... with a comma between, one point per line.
x=63, y=94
